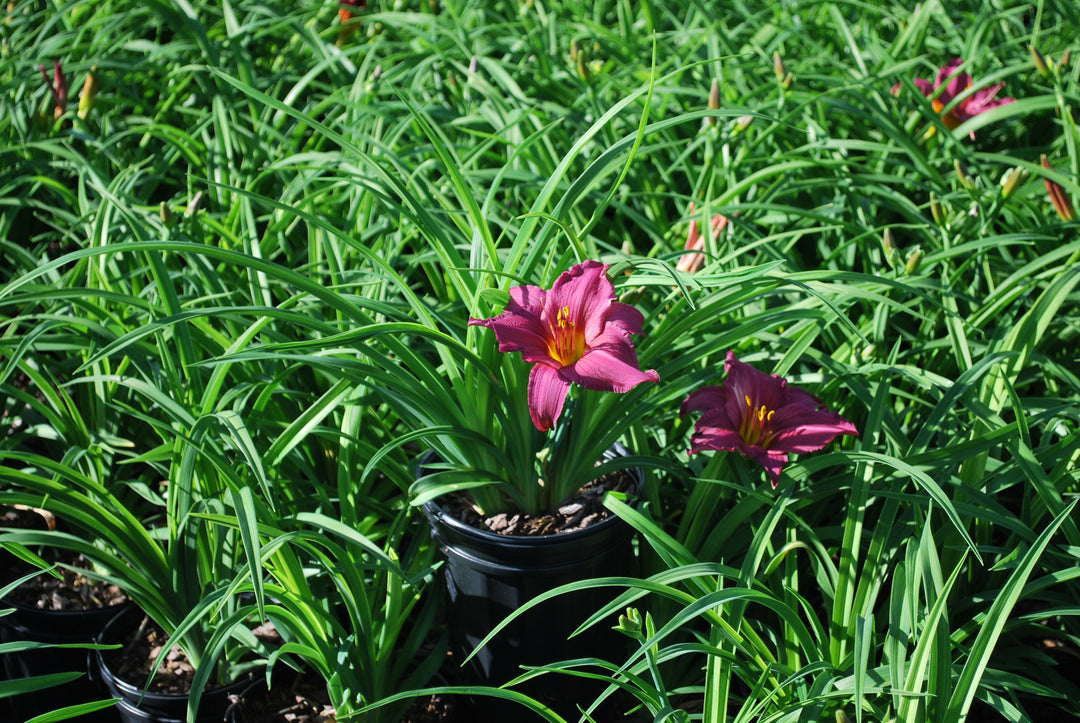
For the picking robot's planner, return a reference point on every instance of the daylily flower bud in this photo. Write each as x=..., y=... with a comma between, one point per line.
x=89, y=92
x=786, y=79
x=193, y=207
x=936, y=211
x=743, y=122
x=1058, y=197
x=961, y=173
x=583, y=65
x=913, y=262
x=1040, y=62
x=892, y=256
x=373, y=80
x=1065, y=58
x=714, y=100
x=691, y=263
x=778, y=66
x=1012, y=180
x=59, y=87
x=630, y=623
x=167, y=216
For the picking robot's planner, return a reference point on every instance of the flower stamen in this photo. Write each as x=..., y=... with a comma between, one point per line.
x=566, y=345
x=756, y=428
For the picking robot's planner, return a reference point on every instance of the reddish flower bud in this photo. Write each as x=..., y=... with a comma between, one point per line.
x=1058, y=197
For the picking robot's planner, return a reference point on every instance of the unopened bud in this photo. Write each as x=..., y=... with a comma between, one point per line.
x=168, y=218
x=961, y=173
x=1060, y=200
x=1065, y=58
x=580, y=56
x=630, y=623
x=58, y=86
x=193, y=207
x=1040, y=62
x=373, y=79
x=743, y=122
x=913, y=262
x=89, y=92
x=892, y=256
x=1012, y=180
x=936, y=211
x=714, y=100
x=778, y=66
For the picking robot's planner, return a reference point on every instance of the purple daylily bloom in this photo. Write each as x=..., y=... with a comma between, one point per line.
x=761, y=417
x=955, y=84
x=574, y=333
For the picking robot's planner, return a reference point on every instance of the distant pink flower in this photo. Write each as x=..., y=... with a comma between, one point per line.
x=574, y=333
x=691, y=263
x=948, y=85
x=759, y=416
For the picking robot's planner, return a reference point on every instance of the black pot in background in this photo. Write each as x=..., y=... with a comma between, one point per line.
x=488, y=576
x=55, y=627
x=134, y=705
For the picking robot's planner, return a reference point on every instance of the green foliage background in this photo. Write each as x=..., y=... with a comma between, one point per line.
x=234, y=286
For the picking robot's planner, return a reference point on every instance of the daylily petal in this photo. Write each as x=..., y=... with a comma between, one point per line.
x=705, y=398
x=797, y=395
x=518, y=328
x=925, y=86
x=583, y=290
x=773, y=462
x=620, y=315
x=718, y=438
x=956, y=82
x=806, y=430
x=746, y=381
x=546, y=394
x=609, y=369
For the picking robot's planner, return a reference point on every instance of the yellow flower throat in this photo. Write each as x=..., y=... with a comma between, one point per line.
x=755, y=428
x=566, y=344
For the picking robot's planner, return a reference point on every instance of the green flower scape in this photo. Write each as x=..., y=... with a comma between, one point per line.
x=814, y=265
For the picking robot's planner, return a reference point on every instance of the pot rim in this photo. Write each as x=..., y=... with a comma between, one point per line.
x=435, y=513
x=127, y=687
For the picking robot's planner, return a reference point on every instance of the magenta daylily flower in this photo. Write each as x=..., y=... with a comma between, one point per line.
x=574, y=333
x=761, y=417
x=955, y=84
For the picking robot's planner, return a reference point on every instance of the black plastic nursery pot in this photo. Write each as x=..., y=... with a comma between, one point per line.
x=488, y=576
x=137, y=706
x=54, y=627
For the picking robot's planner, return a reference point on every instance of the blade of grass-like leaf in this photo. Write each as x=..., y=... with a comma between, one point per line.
x=15, y=686
x=918, y=665
x=978, y=655
x=73, y=711
x=247, y=520
x=927, y=484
